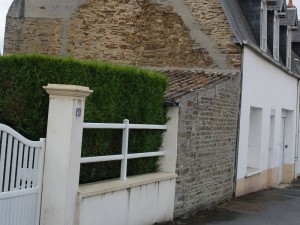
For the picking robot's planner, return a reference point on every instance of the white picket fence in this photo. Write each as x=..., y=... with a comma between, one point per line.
x=21, y=171
x=125, y=126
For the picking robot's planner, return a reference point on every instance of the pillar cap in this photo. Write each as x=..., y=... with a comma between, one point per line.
x=67, y=91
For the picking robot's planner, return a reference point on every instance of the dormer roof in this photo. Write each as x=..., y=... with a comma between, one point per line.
x=291, y=18
x=296, y=35
x=277, y=5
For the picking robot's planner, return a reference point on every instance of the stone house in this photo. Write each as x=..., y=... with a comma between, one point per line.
x=208, y=49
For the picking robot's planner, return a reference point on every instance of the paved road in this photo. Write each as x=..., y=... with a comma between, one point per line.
x=268, y=207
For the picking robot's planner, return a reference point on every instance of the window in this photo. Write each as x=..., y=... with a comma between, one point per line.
x=276, y=37
x=254, y=141
x=288, y=48
x=263, y=26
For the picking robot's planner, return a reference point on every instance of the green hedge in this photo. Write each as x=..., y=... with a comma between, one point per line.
x=119, y=92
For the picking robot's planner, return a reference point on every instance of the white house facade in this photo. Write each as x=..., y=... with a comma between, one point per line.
x=267, y=132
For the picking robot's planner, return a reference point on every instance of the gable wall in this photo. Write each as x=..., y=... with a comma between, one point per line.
x=146, y=33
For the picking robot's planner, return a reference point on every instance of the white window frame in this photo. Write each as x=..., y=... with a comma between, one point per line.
x=289, y=48
x=276, y=31
x=254, y=141
x=263, y=26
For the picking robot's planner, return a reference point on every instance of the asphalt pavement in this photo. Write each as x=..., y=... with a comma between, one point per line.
x=274, y=206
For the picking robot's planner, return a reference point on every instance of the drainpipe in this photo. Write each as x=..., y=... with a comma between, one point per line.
x=297, y=133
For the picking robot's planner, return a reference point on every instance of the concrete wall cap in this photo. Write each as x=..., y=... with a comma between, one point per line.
x=68, y=91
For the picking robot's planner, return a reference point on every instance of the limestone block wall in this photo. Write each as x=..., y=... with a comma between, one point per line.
x=213, y=22
x=135, y=32
x=33, y=35
x=206, y=148
x=177, y=33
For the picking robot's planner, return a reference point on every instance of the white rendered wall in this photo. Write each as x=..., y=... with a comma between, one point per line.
x=265, y=86
x=143, y=204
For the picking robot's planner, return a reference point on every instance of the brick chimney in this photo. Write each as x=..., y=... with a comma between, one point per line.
x=290, y=4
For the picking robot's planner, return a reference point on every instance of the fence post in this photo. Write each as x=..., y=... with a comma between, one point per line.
x=62, y=156
x=169, y=145
x=125, y=150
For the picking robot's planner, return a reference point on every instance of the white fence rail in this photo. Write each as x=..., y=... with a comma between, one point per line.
x=21, y=168
x=126, y=126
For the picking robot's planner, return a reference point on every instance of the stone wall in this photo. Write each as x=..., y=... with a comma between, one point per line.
x=214, y=23
x=206, y=147
x=135, y=32
x=32, y=35
x=181, y=33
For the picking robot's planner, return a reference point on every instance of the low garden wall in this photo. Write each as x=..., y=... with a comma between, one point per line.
x=139, y=200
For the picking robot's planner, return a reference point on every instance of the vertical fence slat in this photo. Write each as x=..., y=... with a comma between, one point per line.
x=125, y=150
x=30, y=168
x=21, y=216
x=20, y=210
x=1, y=212
x=15, y=211
x=8, y=163
x=13, y=166
x=35, y=167
x=7, y=206
x=24, y=169
x=41, y=158
x=19, y=167
x=2, y=160
x=27, y=205
x=12, y=210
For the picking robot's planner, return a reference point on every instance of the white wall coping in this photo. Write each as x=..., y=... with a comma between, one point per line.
x=67, y=91
x=101, y=187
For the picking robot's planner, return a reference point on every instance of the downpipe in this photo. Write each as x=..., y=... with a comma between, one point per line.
x=296, y=159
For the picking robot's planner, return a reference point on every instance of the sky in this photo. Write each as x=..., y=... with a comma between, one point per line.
x=4, y=6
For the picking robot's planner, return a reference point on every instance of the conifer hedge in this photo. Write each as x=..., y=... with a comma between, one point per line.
x=120, y=92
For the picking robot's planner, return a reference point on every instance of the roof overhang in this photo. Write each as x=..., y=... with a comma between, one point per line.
x=271, y=59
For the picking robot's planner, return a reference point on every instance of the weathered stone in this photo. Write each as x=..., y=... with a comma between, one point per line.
x=206, y=154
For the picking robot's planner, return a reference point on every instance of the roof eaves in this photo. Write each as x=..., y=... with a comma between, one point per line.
x=271, y=59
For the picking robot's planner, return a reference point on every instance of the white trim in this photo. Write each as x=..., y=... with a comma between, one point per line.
x=263, y=26
x=125, y=126
x=98, y=188
x=276, y=30
x=14, y=194
x=16, y=135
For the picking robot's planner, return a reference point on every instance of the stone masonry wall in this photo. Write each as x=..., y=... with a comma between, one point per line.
x=138, y=32
x=132, y=32
x=32, y=35
x=206, y=148
x=214, y=23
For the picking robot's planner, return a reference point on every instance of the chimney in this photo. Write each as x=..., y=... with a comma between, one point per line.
x=290, y=4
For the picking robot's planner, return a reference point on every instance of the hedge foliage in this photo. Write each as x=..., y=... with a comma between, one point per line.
x=119, y=92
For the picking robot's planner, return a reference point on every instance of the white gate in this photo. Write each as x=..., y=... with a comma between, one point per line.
x=21, y=171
